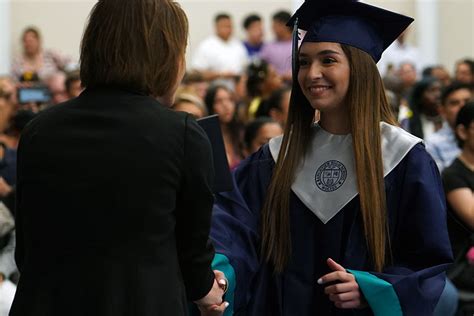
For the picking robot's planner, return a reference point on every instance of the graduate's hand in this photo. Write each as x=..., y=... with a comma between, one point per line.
x=216, y=309
x=345, y=293
x=215, y=295
x=213, y=310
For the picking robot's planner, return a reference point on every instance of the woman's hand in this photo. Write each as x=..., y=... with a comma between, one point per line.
x=208, y=308
x=345, y=293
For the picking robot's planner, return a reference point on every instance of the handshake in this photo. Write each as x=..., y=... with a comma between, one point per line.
x=212, y=304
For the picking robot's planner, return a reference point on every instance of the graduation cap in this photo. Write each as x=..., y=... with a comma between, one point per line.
x=369, y=28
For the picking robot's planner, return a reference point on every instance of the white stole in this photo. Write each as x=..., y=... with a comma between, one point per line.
x=325, y=180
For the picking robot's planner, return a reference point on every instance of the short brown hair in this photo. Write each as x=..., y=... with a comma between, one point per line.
x=137, y=44
x=32, y=29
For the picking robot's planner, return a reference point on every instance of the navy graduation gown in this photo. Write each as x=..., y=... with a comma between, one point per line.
x=420, y=247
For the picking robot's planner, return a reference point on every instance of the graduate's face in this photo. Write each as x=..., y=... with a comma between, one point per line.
x=324, y=75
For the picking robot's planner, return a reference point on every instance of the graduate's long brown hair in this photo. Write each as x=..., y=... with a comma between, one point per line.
x=367, y=106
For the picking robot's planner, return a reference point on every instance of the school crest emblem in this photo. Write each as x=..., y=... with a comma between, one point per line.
x=330, y=176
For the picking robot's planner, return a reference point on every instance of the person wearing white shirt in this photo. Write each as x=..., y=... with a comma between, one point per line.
x=398, y=53
x=220, y=56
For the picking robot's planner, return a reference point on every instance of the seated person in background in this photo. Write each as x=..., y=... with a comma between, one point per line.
x=262, y=80
x=189, y=103
x=194, y=82
x=464, y=71
x=36, y=60
x=439, y=72
x=458, y=181
x=278, y=52
x=220, y=56
x=424, y=102
x=254, y=34
x=442, y=144
x=73, y=84
x=276, y=106
x=219, y=100
x=56, y=84
x=18, y=121
x=259, y=132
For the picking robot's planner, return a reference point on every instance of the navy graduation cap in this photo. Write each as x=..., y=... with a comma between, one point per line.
x=369, y=28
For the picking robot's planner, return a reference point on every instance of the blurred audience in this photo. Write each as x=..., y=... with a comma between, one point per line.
x=56, y=84
x=262, y=80
x=189, y=103
x=424, y=102
x=220, y=56
x=73, y=84
x=464, y=71
x=219, y=100
x=253, y=34
x=439, y=72
x=35, y=61
x=259, y=132
x=398, y=53
x=442, y=144
x=458, y=181
x=194, y=82
x=278, y=52
x=276, y=106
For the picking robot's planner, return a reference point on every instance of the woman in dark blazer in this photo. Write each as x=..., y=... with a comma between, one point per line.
x=113, y=190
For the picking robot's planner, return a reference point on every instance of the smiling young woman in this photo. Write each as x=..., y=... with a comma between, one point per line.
x=352, y=201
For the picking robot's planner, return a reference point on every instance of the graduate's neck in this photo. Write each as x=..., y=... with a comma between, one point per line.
x=335, y=123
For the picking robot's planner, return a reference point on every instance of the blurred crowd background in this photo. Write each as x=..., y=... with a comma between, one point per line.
x=239, y=67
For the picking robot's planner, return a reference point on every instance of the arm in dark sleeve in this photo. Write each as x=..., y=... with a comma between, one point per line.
x=193, y=214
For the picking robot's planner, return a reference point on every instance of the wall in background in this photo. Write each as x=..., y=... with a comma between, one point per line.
x=62, y=22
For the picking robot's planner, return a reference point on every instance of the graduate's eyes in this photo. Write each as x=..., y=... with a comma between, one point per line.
x=328, y=60
x=303, y=62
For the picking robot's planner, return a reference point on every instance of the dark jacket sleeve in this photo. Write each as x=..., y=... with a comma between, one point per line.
x=193, y=214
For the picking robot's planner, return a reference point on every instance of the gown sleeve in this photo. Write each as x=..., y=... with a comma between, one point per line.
x=235, y=228
x=414, y=279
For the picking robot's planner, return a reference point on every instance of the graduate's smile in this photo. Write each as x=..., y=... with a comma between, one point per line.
x=318, y=90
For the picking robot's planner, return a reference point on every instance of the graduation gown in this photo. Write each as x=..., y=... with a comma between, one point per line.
x=410, y=284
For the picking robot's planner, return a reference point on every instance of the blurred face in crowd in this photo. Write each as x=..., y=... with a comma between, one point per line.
x=467, y=135
x=265, y=133
x=442, y=75
x=453, y=103
x=280, y=30
x=407, y=74
x=75, y=89
x=31, y=44
x=57, y=88
x=463, y=73
x=189, y=107
x=224, y=106
x=224, y=28
x=255, y=33
x=431, y=98
x=273, y=80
